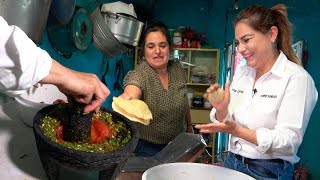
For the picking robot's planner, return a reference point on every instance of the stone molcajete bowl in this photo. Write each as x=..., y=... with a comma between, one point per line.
x=54, y=155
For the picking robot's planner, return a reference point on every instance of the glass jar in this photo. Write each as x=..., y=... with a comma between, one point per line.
x=198, y=101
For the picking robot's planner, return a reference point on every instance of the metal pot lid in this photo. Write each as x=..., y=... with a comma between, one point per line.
x=81, y=29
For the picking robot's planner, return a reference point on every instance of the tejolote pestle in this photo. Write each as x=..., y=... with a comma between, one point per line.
x=77, y=127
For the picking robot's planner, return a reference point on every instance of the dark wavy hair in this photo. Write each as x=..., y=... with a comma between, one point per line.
x=154, y=27
x=262, y=19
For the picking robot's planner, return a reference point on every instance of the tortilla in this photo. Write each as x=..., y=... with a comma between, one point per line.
x=135, y=110
x=216, y=96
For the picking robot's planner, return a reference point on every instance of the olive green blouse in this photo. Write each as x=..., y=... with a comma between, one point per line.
x=168, y=108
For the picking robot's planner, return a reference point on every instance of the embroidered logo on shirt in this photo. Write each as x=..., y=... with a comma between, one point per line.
x=268, y=96
x=237, y=91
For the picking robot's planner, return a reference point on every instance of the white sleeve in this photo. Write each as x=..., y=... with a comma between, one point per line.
x=213, y=116
x=22, y=64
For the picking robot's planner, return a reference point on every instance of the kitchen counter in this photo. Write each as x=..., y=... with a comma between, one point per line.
x=19, y=158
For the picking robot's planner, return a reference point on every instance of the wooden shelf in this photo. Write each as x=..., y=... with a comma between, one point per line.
x=197, y=84
x=201, y=108
x=196, y=49
x=200, y=116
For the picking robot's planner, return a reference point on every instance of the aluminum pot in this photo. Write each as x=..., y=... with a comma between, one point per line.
x=125, y=28
x=29, y=15
x=103, y=38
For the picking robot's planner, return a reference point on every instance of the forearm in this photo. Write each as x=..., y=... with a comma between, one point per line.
x=221, y=115
x=56, y=74
x=83, y=87
x=244, y=133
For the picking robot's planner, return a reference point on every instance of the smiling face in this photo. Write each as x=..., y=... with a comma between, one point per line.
x=257, y=48
x=156, y=50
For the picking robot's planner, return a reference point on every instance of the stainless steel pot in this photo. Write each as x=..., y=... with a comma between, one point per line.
x=103, y=39
x=125, y=28
x=29, y=15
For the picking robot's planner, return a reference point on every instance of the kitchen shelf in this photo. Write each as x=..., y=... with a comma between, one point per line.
x=197, y=84
x=200, y=108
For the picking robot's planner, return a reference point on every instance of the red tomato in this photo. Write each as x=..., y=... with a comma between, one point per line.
x=94, y=135
x=102, y=130
x=59, y=131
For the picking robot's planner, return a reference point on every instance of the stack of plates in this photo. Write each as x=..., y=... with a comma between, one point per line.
x=103, y=38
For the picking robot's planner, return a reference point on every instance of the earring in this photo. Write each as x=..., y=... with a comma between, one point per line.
x=272, y=41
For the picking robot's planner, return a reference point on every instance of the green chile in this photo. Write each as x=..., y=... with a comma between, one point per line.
x=122, y=137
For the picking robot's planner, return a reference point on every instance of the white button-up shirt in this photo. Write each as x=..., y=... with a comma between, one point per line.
x=279, y=109
x=22, y=63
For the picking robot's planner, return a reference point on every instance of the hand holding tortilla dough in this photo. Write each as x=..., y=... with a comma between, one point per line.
x=135, y=110
x=214, y=95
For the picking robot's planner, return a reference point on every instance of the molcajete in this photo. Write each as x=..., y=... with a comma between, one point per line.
x=54, y=155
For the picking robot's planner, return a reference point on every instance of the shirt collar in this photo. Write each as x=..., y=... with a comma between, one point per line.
x=279, y=66
x=277, y=69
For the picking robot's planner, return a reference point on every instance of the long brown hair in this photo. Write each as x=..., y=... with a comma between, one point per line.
x=262, y=19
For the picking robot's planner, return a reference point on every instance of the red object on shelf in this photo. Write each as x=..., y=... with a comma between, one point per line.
x=198, y=45
x=185, y=43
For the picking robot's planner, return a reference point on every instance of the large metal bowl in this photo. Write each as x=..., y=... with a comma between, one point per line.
x=30, y=16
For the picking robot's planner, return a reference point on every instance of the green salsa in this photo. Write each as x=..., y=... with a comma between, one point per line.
x=54, y=118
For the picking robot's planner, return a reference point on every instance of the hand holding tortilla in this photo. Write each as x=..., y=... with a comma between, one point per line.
x=135, y=110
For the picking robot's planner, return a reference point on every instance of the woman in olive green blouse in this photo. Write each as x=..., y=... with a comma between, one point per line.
x=161, y=84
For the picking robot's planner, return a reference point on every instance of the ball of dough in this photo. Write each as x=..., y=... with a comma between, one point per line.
x=216, y=96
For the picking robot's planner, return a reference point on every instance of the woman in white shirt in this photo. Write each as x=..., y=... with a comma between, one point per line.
x=23, y=64
x=267, y=107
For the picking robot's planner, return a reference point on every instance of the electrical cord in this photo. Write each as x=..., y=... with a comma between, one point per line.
x=65, y=54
